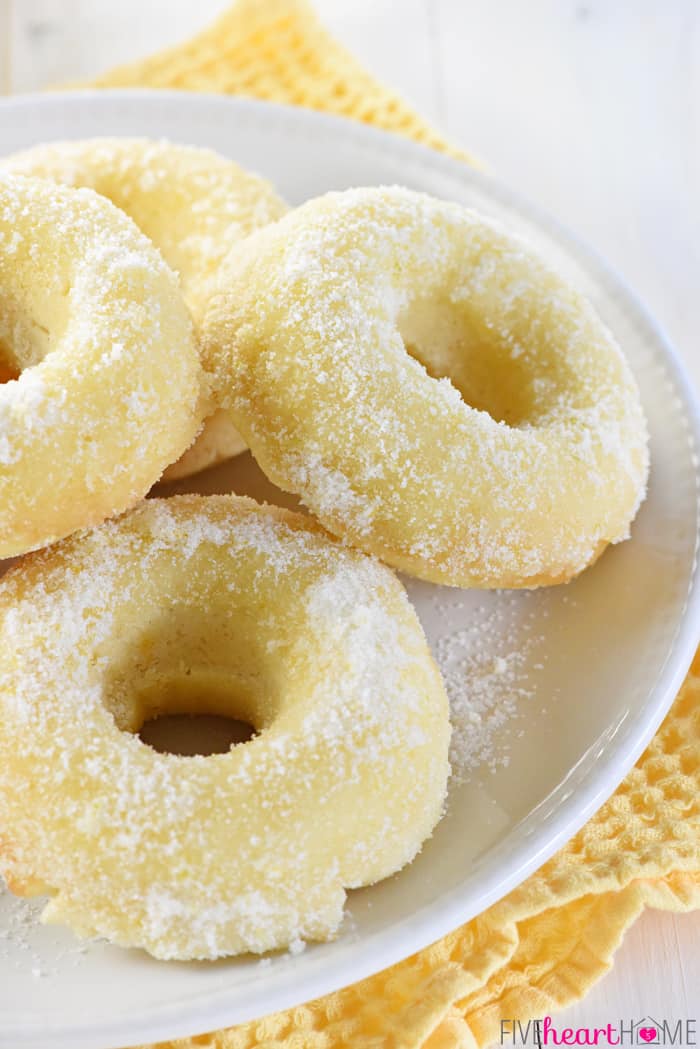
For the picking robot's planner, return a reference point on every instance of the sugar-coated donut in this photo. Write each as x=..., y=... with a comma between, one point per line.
x=432, y=390
x=192, y=203
x=212, y=605
x=103, y=381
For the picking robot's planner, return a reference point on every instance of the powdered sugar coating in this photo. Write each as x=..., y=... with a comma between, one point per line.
x=192, y=203
x=218, y=605
x=506, y=448
x=109, y=383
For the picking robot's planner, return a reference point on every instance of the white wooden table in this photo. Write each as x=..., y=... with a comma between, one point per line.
x=591, y=107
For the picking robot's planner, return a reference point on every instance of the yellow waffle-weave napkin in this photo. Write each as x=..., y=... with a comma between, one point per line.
x=543, y=946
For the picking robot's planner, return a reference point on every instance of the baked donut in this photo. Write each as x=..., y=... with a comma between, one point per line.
x=192, y=203
x=103, y=381
x=430, y=388
x=212, y=605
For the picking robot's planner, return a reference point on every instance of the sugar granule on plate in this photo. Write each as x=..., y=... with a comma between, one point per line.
x=485, y=670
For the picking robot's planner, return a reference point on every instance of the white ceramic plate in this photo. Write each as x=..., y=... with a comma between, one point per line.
x=582, y=675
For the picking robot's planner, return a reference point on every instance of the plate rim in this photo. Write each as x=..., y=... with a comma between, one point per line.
x=444, y=914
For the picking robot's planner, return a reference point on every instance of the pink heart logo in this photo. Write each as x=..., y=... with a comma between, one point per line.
x=647, y=1033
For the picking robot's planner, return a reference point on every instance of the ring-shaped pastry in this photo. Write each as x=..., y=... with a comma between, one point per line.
x=212, y=605
x=103, y=386
x=192, y=203
x=435, y=393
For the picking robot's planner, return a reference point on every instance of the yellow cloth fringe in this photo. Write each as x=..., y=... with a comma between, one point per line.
x=543, y=946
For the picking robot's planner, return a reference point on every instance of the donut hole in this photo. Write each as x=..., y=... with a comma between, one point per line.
x=491, y=374
x=173, y=670
x=25, y=332
x=8, y=369
x=194, y=712
x=187, y=735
